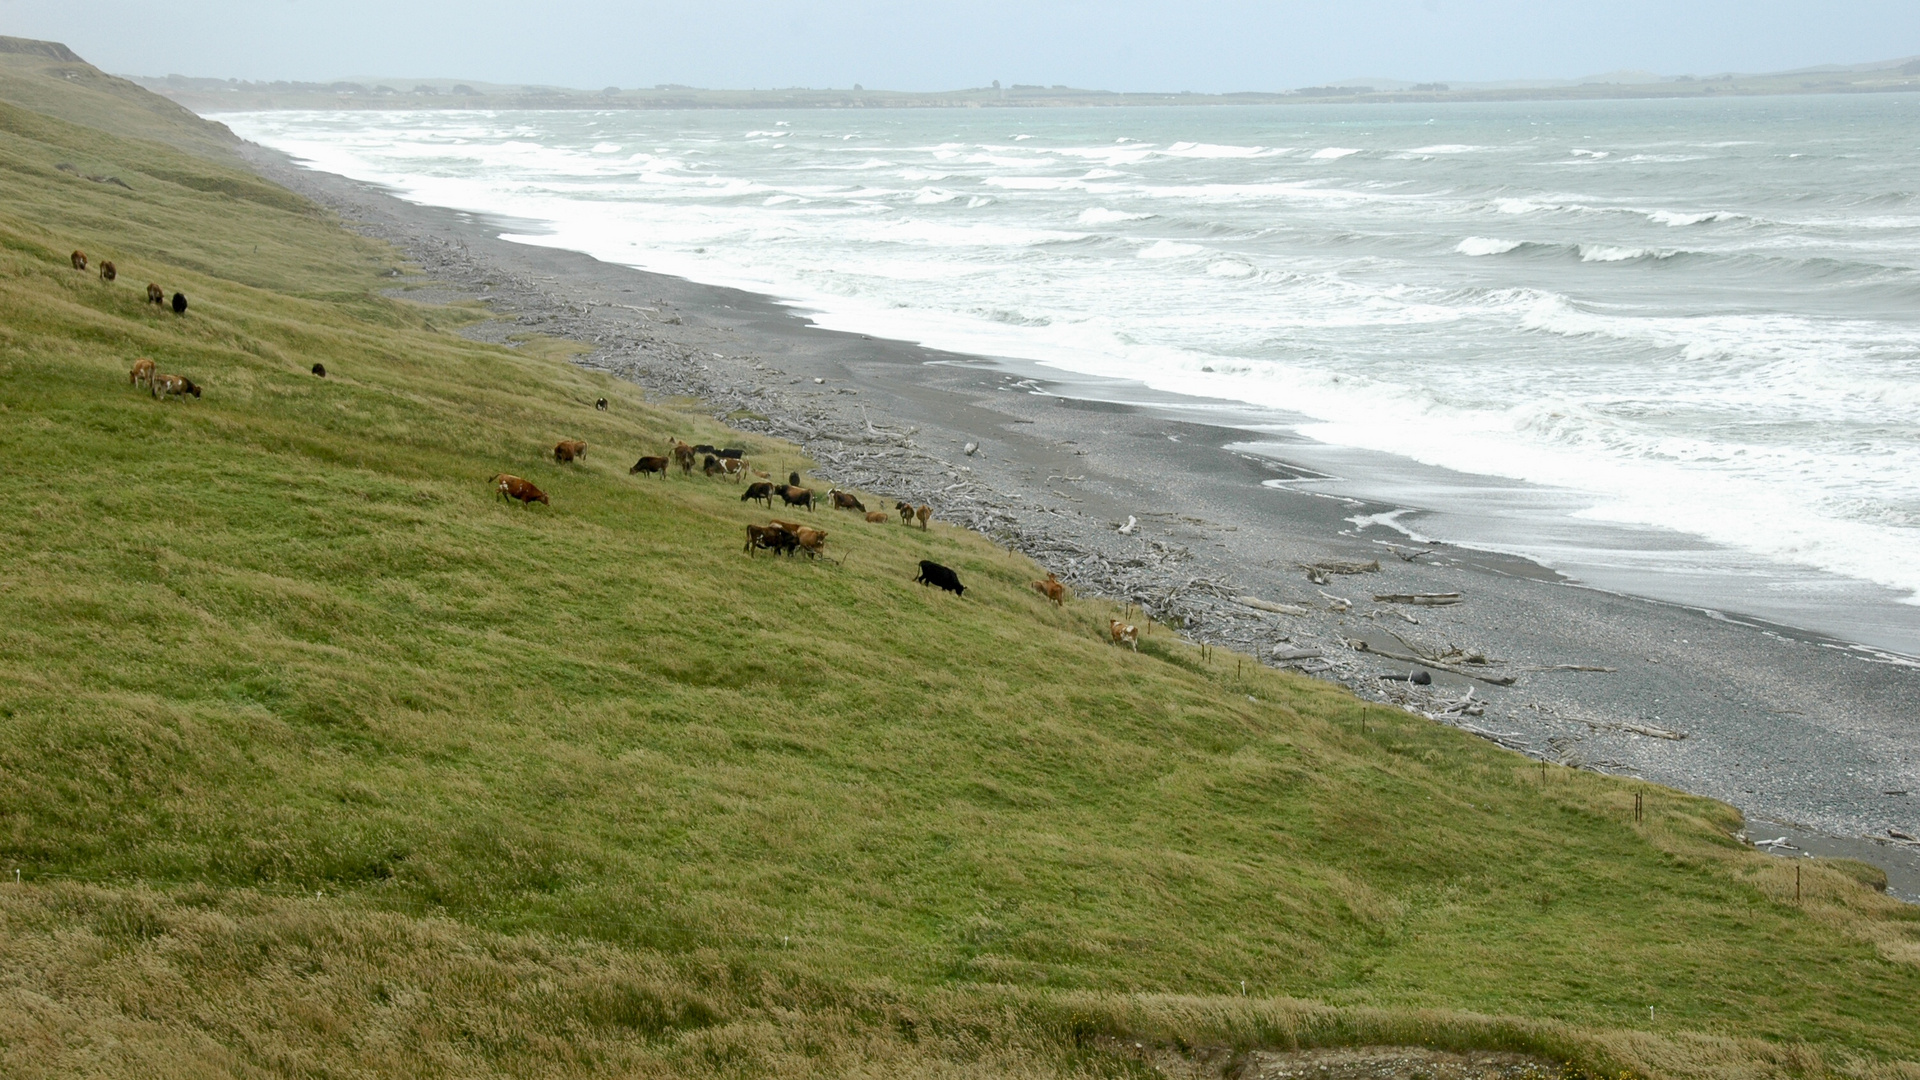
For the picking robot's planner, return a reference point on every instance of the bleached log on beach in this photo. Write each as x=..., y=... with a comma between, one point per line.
x=1345, y=566
x=1571, y=667
x=1440, y=599
x=1258, y=604
x=1491, y=680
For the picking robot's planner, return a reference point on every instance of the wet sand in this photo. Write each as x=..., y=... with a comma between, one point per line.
x=1790, y=726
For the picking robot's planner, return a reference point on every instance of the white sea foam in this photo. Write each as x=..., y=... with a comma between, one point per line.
x=1485, y=245
x=1756, y=392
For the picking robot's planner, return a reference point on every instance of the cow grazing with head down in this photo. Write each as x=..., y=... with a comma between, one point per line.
x=156, y=294
x=734, y=467
x=569, y=450
x=812, y=541
x=923, y=512
x=761, y=491
x=108, y=271
x=79, y=260
x=172, y=386
x=1052, y=589
x=650, y=465
x=877, y=517
x=770, y=538
x=795, y=496
x=320, y=370
x=179, y=303
x=512, y=487
x=142, y=373
x=601, y=404
x=845, y=500
x=1124, y=633
x=711, y=467
x=932, y=573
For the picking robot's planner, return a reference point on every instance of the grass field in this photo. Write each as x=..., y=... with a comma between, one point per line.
x=317, y=759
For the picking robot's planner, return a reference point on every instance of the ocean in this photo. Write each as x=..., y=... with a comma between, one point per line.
x=1645, y=338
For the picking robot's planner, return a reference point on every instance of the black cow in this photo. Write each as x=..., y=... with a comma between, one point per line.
x=320, y=370
x=733, y=452
x=932, y=573
x=179, y=303
x=601, y=404
x=762, y=491
x=706, y=448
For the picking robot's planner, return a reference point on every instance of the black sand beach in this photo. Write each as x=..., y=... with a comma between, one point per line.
x=1815, y=740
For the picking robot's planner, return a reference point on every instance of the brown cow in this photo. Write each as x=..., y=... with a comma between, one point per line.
x=1124, y=633
x=512, y=487
x=906, y=512
x=569, y=450
x=156, y=294
x=845, y=500
x=811, y=541
x=79, y=260
x=1052, y=589
x=172, y=386
x=683, y=457
x=790, y=526
x=795, y=496
x=142, y=372
x=650, y=465
x=762, y=491
x=923, y=512
x=877, y=517
x=108, y=271
x=734, y=467
x=770, y=538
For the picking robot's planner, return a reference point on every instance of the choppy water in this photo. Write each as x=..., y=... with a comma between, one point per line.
x=1702, y=316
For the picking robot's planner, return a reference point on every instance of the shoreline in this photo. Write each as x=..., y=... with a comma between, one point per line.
x=1781, y=724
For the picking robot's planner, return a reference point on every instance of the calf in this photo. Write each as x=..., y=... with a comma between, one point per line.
x=79, y=260
x=320, y=370
x=683, y=457
x=906, y=512
x=763, y=492
x=770, y=538
x=932, y=573
x=512, y=487
x=172, y=386
x=569, y=450
x=142, y=372
x=108, y=271
x=923, y=512
x=877, y=517
x=156, y=294
x=795, y=496
x=179, y=303
x=601, y=404
x=811, y=541
x=651, y=465
x=1052, y=589
x=1124, y=633
x=845, y=500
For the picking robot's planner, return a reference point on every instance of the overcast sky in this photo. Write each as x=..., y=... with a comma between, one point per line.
x=1201, y=45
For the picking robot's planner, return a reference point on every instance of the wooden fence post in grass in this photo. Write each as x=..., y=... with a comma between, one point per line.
x=1638, y=808
x=1796, y=883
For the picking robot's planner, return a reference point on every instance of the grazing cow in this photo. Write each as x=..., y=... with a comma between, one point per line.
x=734, y=467
x=923, y=512
x=683, y=457
x=108, y=271
x=906, y=512
x=1124, y=633
x=770, y=538
x=761, y=491
x=811, y=541
x=601, y=404
x=712, y=467
x=1052, y=589
x=512, y=487
x=172, y=386
x=877, y=517
x=845, y=500
x=651, y=465
x=179, y=303
x=732, y=452
x=79, y=260
x=795, y=496
x=142, y=372
x=705, y=448
x=156, y=294
x=569, y=450
x=932, y=573
x=320, y=370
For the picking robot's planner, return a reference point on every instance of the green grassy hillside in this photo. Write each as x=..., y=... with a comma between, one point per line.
x=318, y=759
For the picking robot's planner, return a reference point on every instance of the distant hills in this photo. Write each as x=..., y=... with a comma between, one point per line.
x=213, y=95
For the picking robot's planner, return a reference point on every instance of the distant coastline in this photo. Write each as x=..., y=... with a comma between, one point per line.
x=204, y=94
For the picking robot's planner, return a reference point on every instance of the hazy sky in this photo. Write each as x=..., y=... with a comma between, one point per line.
x=1202, y=45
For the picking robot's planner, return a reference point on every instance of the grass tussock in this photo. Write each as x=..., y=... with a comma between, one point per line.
x=316, y=758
